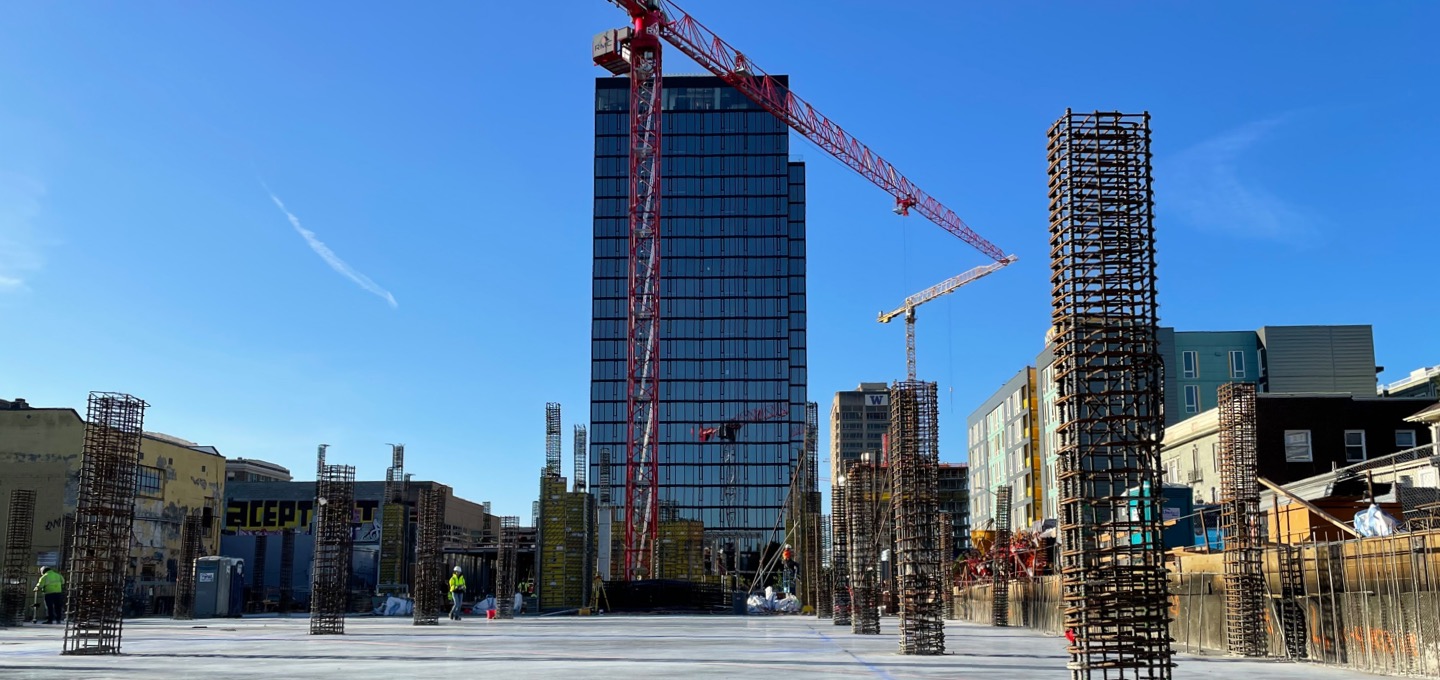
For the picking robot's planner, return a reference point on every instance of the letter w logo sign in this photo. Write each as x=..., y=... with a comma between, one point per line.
x=879, y=399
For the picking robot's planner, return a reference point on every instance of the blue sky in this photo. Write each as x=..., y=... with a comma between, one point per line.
x=442, y=153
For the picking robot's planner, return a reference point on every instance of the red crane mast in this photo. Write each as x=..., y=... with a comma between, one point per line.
x=636, y=51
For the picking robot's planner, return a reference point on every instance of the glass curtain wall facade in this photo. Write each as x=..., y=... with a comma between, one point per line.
x=732, y=343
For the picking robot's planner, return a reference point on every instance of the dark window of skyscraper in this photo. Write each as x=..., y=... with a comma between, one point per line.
x=732, y=335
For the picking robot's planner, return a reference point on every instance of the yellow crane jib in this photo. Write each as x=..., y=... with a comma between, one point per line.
x=943, y=288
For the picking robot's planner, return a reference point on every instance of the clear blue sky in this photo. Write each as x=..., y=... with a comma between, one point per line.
x=442, y=151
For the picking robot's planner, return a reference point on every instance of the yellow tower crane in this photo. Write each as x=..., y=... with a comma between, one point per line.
x=944, y=287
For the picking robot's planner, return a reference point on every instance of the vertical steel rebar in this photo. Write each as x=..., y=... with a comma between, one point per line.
x=105, y=516
x=505, y=563
x=429, y=570
x=17, y=572
x=394, y=526
x=1239, y=510
x=1109, y=376
x=330, y=568
x=287, y=571
x=947, y=564
x=862, y=500
x=840, y=553
x=1000, y=560
x=914, y=463
x=191, y=532
x=552, y=439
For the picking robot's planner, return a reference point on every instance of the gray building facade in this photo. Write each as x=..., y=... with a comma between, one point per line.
x=1004, y=451
x=859, y=420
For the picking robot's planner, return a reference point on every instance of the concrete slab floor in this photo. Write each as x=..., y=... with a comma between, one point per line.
x=569, y=647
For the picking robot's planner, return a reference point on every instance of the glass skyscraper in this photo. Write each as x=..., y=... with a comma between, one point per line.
x=732, y=347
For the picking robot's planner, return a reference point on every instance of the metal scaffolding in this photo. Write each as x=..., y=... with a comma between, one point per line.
x=1108, y=372
x=839, y=554
x=580, y=458
x=287, y=571
x=330, y=568
x=1239, y=511
x=947, y=564
x=914, y=463
x=394, y=526
x=191, y=532
x=430, y=583
x=105, y=514
x=505, y=562
x=17, y=571
x=552, y=439
x=862, y=513
x=1000, y=560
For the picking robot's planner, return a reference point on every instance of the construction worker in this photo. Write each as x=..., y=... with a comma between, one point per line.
x=457, y=593
x=52, y=585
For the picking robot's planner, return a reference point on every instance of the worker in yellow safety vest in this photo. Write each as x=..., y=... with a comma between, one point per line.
x=457, y=593
x=52, y=585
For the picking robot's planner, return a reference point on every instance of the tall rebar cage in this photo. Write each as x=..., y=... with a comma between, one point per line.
x=104, y=515
x=839, y=554
x=505, y=562
x=999, y=560
x=287, y=571
x=191, y=531
x=862, y=513
x=947, y=564
x=330, y=566
x=810, y=551
x=1239, y=511
x=552, y=440
x=394, y=529
x=430, y=584
x=825, y=604
x=914, y=463
x=17, y=571
x=1109, y=375
x=257, y=571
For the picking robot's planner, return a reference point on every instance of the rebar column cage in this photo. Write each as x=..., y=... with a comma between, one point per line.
x=505, y=563
x=552, y=439
x=104, y=516
x=999, y=560
x=394, y=532
x=602, y=478
x=810, y=528
x=330, y=568
x=1239, y=510
x=840, y=552
x=430, y=578
x=256, y=568
x=862, y=509
x=287, y=571
x=191, y=531
x=17, y=572
x=1109, y=376
x=914, y=463
x=947, y=563
x=825, y=605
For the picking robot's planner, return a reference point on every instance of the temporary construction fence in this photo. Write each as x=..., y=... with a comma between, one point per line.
x=1368, y=604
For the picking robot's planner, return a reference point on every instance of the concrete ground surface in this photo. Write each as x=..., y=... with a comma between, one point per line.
x=569, y=647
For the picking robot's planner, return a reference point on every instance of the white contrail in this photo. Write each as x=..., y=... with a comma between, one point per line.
x=331, y=258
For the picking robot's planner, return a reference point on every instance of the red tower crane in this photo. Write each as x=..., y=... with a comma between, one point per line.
x=635, y=51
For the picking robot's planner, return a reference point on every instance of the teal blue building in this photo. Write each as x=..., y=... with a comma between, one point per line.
x=1197, y=363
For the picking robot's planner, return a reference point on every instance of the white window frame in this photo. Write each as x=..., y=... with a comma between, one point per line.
x=1237, y=358
x=1402, y=447
x=1192, y=405
x=1193, y=370
x=1348, y=457
x=1296, y=456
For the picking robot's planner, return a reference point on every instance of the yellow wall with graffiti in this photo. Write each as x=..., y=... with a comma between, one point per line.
x=40, y=449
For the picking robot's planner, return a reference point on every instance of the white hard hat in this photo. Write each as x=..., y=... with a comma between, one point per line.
x=457, y=568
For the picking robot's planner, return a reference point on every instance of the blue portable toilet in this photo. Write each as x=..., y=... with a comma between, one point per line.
x=1175, y=506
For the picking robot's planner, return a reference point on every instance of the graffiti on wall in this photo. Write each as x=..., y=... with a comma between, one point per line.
x=261, y=517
